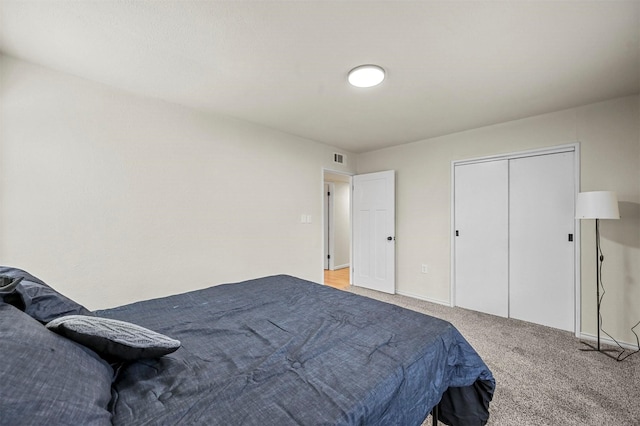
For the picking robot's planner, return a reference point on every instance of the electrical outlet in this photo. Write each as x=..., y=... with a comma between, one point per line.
x=425, y=268
x=305, y=218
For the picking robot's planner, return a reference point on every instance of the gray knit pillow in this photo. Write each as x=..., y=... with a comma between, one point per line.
x=113, y=339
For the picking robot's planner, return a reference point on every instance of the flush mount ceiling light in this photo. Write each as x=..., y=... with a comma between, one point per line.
x=366, y=76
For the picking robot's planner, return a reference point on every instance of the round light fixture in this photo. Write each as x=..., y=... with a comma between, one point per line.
x=366, y=76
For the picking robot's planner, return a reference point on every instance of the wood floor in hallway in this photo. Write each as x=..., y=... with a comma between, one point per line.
x=338, y=279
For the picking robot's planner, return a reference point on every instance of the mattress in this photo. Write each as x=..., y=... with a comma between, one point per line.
x=284, y=351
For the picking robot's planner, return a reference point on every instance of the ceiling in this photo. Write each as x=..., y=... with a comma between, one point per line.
x=451, y=65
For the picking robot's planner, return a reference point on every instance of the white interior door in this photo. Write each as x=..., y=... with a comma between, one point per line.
x=482, y=235
x=541, y=270
x=373, y=227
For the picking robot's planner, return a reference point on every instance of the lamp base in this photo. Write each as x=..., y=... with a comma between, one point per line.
x=592, y=348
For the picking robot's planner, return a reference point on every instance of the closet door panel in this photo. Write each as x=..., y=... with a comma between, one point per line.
x=541, y=214
x=481, y=247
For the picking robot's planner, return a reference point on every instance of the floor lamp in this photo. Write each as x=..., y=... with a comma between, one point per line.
x=598, y=205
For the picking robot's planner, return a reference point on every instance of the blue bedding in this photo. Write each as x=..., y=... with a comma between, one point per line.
x=284, y=351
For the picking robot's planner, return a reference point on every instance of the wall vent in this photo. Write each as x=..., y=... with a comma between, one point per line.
x=338, y=158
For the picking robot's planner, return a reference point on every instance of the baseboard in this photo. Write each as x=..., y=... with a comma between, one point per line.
x=336, y=267
x=607, y=341
x=426, y=299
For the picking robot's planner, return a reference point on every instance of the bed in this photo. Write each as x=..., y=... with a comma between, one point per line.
x=271, y=351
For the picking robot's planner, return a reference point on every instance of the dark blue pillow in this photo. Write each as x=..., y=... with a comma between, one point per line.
x=9, y=291
x=48, y=379
x=34, y=297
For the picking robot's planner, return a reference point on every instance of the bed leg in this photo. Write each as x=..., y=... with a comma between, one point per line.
x=434, y=415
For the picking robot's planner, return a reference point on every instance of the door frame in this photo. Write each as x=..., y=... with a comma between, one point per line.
x=572, y=147
x=350, y=175
x=329, y=230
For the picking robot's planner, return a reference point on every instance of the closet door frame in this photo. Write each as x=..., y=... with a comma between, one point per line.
x=573, y=147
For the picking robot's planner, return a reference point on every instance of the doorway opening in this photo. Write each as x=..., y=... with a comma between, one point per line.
x=337, y=279
x=336, y=229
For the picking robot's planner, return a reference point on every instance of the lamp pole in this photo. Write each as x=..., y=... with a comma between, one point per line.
x=598, y=279
x=598, y=205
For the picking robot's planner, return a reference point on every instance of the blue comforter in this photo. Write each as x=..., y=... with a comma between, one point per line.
x=284, y=351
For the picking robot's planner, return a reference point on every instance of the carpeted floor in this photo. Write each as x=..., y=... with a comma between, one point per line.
x=542, y=377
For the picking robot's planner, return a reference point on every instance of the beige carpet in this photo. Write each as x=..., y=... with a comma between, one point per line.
x=542, y=377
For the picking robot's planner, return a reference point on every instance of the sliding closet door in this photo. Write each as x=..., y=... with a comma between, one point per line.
x=514, y=254
x=481, y=241
x=541, y=267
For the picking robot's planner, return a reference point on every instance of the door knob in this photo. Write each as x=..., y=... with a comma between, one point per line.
x=389, y=238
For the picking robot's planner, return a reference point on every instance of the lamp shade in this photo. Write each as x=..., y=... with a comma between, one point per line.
x=597, y=205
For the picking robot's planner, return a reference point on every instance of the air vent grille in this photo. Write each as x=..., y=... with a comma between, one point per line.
x=338, y=158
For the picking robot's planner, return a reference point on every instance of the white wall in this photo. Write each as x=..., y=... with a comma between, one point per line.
x=114, y=198
x=609, y=134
